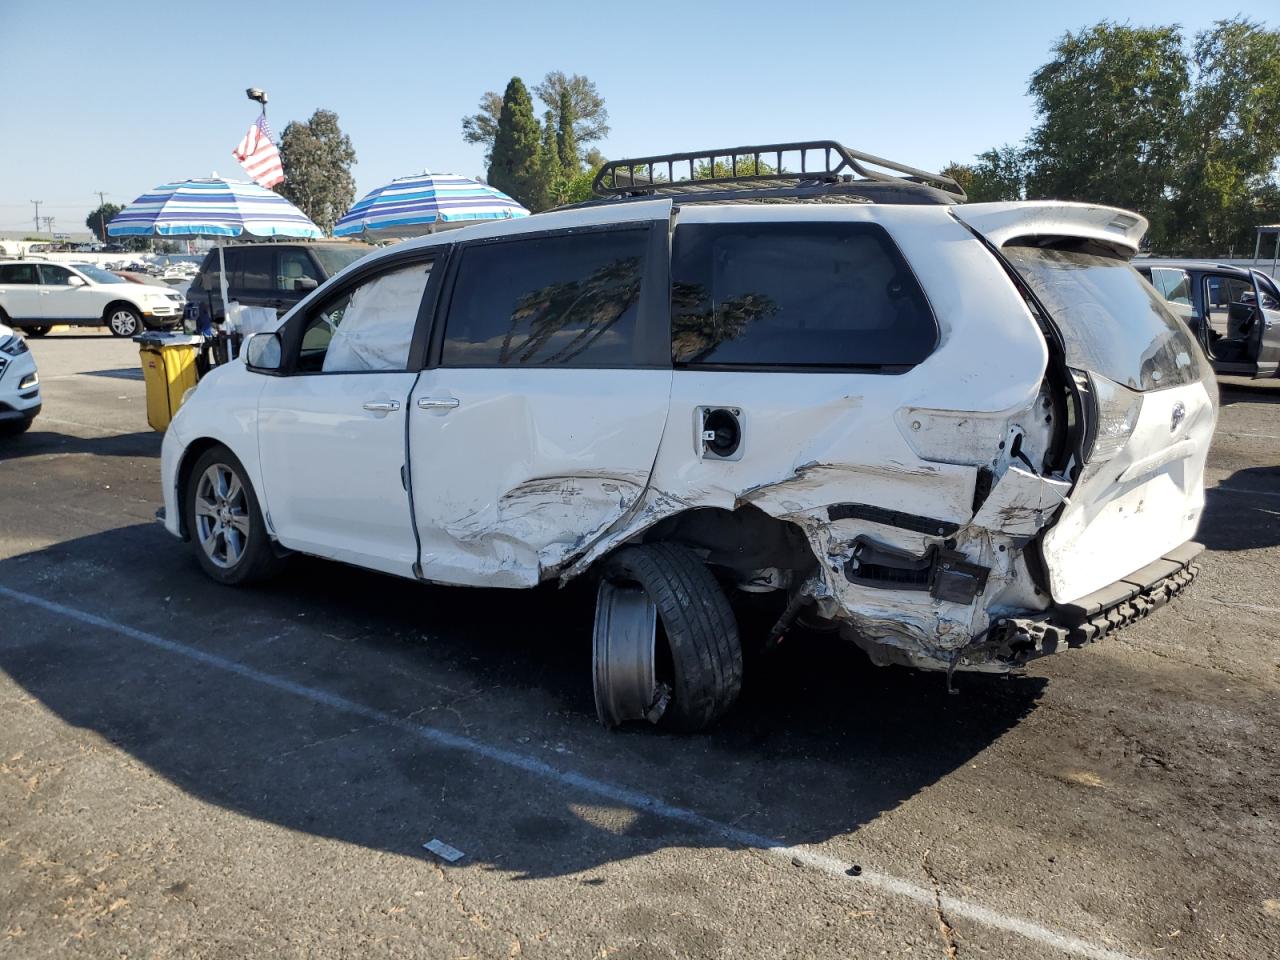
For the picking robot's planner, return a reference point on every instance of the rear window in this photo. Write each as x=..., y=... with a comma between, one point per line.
x=336, y=258
x=1112, y=322
x=835, y=295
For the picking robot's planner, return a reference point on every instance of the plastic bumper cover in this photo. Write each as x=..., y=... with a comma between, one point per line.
x=1015, y=640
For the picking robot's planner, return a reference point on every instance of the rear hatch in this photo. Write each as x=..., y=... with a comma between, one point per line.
x=1148, y=392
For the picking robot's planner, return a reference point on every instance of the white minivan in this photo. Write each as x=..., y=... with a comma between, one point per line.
x=964, y=435
x=36, y=295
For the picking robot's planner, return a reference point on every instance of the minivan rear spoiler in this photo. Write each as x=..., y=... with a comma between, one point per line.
x=1002, y=222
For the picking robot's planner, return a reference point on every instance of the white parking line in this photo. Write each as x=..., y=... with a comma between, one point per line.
x=886, y=883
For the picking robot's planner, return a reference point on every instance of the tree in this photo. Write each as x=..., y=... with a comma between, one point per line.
x=1109, y=103
x=97, y=221
x=515, y=161
x=1230, y=141
x=566, y=139
x=317, y=158
x=997, y=174
x=590, y=118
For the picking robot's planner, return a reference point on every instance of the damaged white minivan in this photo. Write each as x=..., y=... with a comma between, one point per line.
x=964, y=435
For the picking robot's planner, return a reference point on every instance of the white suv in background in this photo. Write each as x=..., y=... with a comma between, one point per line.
x=19, y=383
x=36, y=295
x=962, y=435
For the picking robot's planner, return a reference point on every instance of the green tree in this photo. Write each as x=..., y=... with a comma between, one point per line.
x=590, y=118
x=97, y=220
x=515, y=162
x=1110, y=102
x=997, y=174
x=1230, y=140
x=317, y=158
x=566, y=138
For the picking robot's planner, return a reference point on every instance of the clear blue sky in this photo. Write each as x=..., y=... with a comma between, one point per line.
x=120, y=96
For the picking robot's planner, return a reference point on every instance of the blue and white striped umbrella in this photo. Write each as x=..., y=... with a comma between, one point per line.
x=412, y=206
x=215, y=207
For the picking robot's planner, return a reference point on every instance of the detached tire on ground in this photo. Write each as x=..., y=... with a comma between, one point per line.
x=225, y=522
x=698, y=655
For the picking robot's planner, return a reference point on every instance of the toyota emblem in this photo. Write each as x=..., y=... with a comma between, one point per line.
x=1179, y=414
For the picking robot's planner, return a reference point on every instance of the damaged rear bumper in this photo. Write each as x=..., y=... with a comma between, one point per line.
x=1015, y=640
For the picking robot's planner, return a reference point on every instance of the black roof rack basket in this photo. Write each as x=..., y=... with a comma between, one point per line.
x=810, y=166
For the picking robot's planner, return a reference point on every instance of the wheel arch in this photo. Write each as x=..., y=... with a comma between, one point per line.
x=115, y=304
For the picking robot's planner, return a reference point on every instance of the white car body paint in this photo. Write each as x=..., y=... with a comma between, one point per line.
x=16, y=401
x=87, y=302
x=536, y=474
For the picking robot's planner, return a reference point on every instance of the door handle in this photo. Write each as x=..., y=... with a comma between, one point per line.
x=438, y=403
x=382, y=406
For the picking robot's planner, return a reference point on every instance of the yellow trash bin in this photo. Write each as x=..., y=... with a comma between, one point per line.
x=169, y=370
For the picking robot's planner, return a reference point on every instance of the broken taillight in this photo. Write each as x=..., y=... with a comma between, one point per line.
x=1115, y=411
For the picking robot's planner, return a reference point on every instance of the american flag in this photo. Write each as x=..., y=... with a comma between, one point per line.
x=259, y=156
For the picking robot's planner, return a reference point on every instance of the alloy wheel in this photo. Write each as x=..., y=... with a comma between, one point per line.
x=222, y=515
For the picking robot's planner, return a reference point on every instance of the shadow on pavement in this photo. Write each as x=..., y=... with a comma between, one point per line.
x=1234, y=520
x=820, y=744
x=117, y=373
x=1239, y=390
x=36, y=442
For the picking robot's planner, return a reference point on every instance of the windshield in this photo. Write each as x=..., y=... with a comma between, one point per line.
x=335, y=258
x=97, y=274
x=1113, y=323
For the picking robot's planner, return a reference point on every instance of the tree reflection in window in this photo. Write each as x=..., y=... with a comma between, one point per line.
x=697, y=328
x=588, y=308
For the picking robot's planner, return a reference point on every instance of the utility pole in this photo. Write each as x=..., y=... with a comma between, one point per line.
x=37, y=203
x=102, y=220
x=48, y=224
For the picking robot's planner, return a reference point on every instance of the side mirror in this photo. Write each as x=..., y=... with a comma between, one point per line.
x=305, y=284
x=264, y=352
x=74, y=281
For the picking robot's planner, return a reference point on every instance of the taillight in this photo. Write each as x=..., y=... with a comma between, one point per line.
x=1115, y=412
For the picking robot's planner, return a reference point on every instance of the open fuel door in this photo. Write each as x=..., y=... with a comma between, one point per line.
x=1147, y=391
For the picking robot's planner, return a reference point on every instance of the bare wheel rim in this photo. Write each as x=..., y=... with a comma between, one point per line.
x=123, y=322
x=222, y=516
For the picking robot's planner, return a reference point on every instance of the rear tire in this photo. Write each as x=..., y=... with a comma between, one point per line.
x=225, y=522
x=123, y=321
x=702, y=659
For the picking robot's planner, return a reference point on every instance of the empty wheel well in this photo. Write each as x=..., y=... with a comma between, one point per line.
x=741, y=541
x=189, y=457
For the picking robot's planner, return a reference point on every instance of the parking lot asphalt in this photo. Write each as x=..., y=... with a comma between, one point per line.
x=197, y=771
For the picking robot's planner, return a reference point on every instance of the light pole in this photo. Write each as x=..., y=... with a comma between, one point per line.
x=258, y=94
x=102, y=217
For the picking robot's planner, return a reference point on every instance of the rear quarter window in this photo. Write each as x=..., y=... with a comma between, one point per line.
x=822, y=295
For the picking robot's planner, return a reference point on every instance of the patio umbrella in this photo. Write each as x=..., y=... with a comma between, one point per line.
x=412, y=206
x=214, y=207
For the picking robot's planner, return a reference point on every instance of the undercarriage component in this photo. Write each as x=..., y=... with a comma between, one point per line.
x=946, y=574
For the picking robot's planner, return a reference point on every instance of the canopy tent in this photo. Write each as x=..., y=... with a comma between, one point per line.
x=212, y=207
x=425, y=203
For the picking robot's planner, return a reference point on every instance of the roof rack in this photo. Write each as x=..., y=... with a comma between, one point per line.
x=809, y=169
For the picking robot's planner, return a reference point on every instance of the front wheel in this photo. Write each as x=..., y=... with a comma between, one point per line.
x=124, y=321
x=225, y=522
